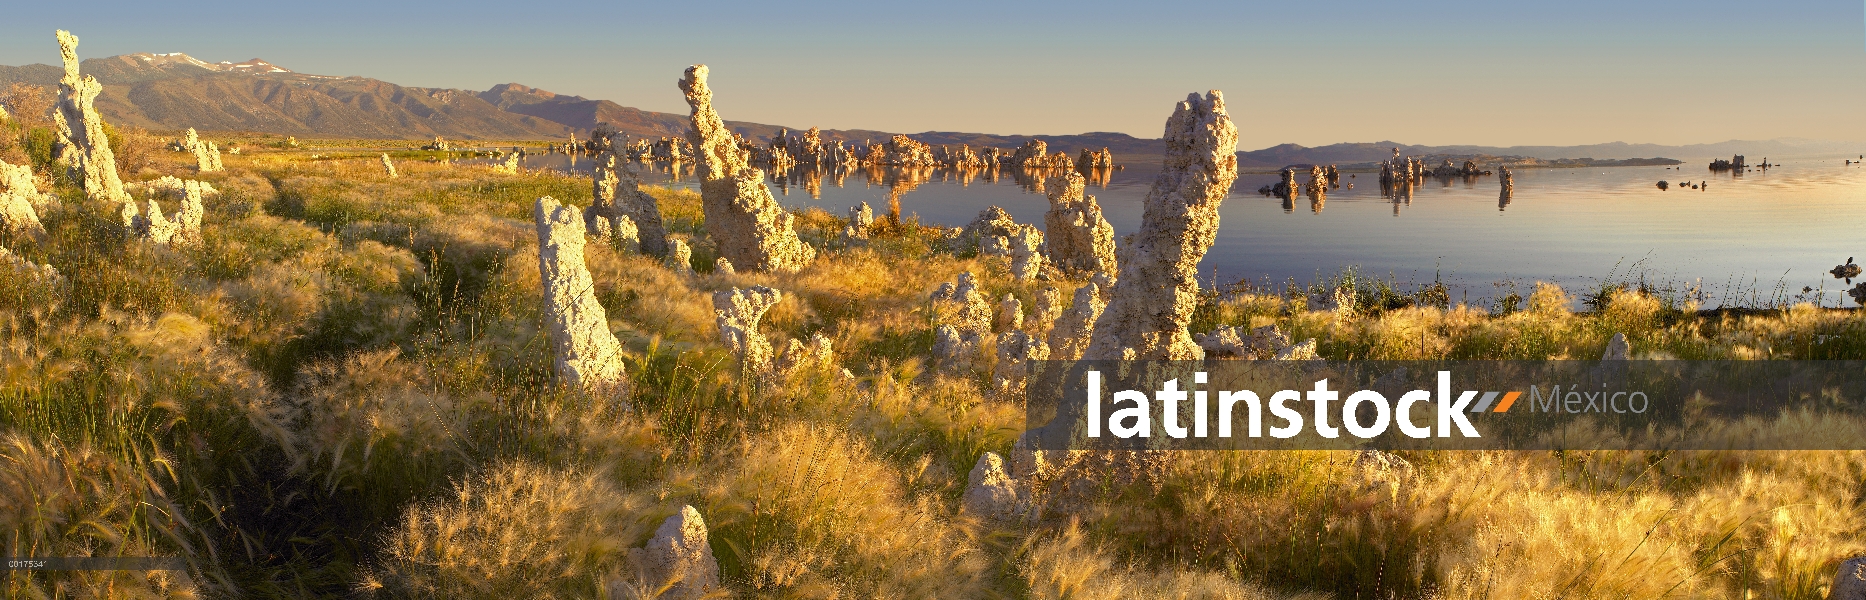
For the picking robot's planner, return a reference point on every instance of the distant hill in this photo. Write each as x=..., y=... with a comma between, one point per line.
x=1367, y=152
x=176, y=91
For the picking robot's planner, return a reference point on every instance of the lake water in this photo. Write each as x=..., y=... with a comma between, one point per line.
x=1745, y=239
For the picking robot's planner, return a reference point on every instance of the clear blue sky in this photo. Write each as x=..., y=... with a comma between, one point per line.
x=1310, y=73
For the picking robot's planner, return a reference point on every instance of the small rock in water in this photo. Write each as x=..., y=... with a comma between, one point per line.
x=1663, y=185
x=1846, y=271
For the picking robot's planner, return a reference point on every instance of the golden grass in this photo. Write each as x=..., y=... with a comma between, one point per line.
x=345, y=389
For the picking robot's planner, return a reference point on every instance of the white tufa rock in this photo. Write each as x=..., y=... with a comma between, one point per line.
x=955, y=350
x=19, y=196
x=680, y=559
x=1150, y=305
x=186, y=227
x=747, y=225
x=1075, y=328
x=586, y=353
x=962, y=306
x=738, y=312
x=1302, y=351
x=861, y=219
x=509, y=166
x=990, y=493
x=1019, y=355
x=626, y=235
x=1618, y=348
x=207, y=155
x=818, y=354
x=618, y=198
x=1049, y=307
x=81, y=145
x=1266, y=342
x=1010, y=314
x=1080, y=239
x=722, y=266
x=32, y=270
x=679, y=256
x=388, y=167
x=995, y=233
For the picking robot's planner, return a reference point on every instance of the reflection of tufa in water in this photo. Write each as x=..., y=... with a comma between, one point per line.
x=1508, y=184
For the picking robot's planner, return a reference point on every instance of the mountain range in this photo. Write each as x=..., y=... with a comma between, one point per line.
x=175, y=91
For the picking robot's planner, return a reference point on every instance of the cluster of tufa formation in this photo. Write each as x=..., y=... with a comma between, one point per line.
x=995, y=233
x=963, y=317
x=206, y=154
x=19, y=200
x=1263, y=343
x=1469, y=169
x=185, y=228
x=1034, y=154
x=620, y=207
x=1158, y=289
x=747, y=225
x=900, y=151
x=1091, y=159
x=82, y=145
x=1079, y=239
x=587, y=355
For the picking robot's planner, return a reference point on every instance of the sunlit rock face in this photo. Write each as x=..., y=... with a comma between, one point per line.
x=1091, y=159
x=747, y=225
x=1153, y=300
x=585, y=353
x=81, y=144
x=1079, y=238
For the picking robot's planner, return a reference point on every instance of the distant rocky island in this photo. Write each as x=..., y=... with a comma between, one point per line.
x=1489, y=161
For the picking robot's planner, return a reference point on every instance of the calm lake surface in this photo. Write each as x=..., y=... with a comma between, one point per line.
x=1745, y=239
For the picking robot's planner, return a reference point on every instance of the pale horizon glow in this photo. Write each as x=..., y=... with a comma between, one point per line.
x=1436, y=73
